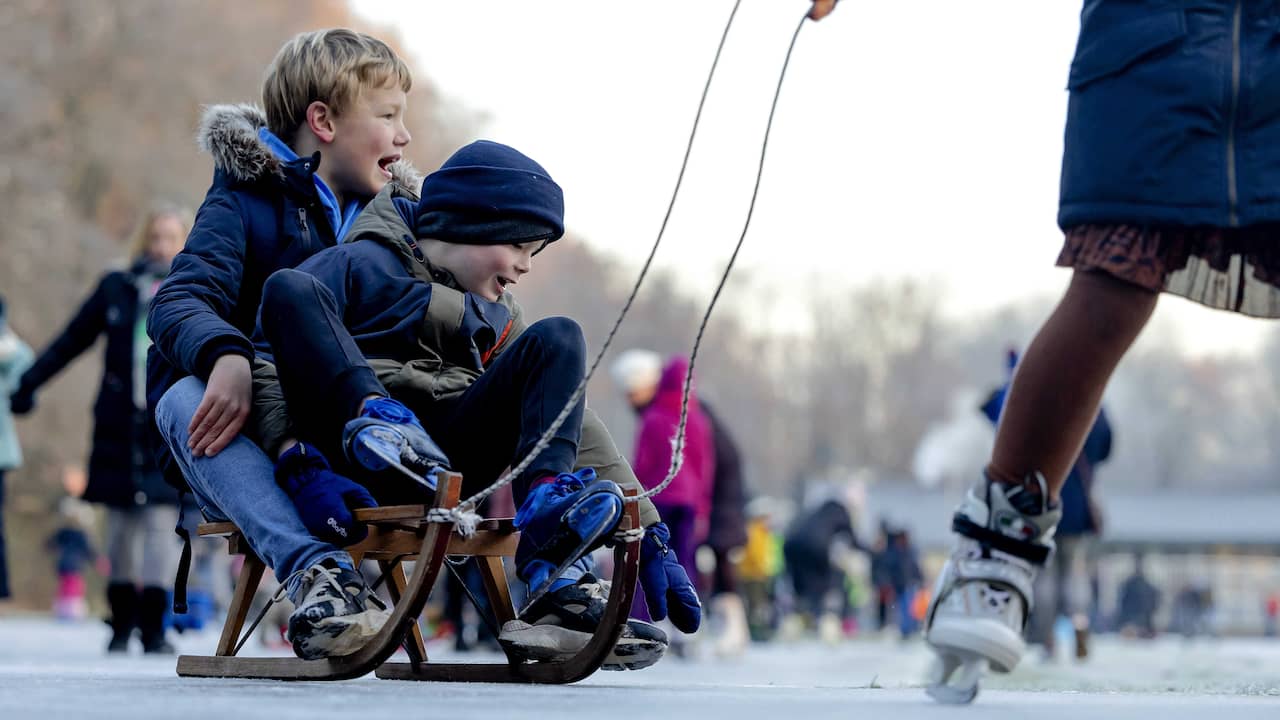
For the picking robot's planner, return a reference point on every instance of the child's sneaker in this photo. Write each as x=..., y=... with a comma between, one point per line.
x=562, y=622
x=388, y=435
x=334, y=617
x=560, y=521
x=983, y=595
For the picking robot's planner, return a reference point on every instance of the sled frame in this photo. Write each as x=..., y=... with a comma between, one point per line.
x=402, y=533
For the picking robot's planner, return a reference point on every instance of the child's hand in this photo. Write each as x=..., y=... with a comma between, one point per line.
x=224, y=408
x=821, y=9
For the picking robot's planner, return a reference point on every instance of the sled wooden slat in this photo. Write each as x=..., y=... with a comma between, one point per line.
x=626, y=564
x=370, y=515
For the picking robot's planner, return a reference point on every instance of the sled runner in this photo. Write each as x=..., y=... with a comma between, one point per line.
x=399, y=534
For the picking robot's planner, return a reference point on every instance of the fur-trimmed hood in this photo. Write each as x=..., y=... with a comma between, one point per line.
x=230, y=134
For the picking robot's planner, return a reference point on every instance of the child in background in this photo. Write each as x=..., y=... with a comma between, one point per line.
x=73, y=552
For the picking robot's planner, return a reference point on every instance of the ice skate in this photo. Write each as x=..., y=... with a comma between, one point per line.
x=983, y=596
x=388, y=436
x=559, y=522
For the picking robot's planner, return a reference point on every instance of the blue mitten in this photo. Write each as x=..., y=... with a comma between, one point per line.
x=666, y=584
x=324, y=499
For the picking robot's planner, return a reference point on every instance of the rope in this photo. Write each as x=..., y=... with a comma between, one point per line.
x=464, y=515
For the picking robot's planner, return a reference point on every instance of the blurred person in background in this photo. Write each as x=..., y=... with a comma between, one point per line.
x=685, y=504
x=1137, y=603
x=1067, y=588
x=636, y=372
x=141, y=508
x=759, y=568
x=15, y=358
x=819, y=545
x=73, y=551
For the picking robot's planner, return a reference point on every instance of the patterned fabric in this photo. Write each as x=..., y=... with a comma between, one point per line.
x=1235, y=269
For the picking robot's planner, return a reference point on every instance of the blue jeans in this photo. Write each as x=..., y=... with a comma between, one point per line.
x=239, y=484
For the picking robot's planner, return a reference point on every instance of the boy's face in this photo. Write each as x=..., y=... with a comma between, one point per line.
x=367, y=137
x=486, y=270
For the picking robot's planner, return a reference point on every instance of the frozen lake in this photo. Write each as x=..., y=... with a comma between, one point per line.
x=51, y=670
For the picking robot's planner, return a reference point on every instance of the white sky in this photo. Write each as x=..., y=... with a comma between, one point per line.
x=917, y=139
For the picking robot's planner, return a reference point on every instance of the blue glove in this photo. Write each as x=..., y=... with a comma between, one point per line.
x=666, y=584
x=324, y=499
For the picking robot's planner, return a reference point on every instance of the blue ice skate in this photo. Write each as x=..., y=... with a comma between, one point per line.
x=560, y=522
x=388, y=435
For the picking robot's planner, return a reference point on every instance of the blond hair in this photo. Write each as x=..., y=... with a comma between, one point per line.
x=330, y=66
x=138, y=245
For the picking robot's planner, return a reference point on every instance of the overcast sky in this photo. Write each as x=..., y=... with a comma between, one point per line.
x=917, y=139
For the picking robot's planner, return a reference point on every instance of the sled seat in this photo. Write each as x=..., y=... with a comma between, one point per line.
x=400, y=534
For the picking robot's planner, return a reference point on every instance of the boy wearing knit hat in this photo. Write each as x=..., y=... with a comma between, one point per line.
x=418, y=301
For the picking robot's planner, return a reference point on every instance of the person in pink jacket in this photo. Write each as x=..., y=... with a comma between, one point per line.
x=685, y=504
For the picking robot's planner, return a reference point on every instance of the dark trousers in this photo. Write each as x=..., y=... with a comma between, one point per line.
x=487, y=428
x=322, y=373
x=498, y=420
x=4, y=565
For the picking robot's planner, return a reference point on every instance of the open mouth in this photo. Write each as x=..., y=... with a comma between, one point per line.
x=385, y=163
x=503, y=282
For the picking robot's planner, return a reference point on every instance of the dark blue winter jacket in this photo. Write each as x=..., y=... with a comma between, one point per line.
x=261, y=214
x=383, y=303
x=1174, y=114
x=123, y=471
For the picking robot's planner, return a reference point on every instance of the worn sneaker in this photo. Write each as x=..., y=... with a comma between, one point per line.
x=337, y=614
x=563, y=621
x=388, y=435
x=560, y=521
x=983, y=595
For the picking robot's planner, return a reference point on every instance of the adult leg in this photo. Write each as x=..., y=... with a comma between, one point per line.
x=1058, y=386
x=122, y=587
x=157, y=557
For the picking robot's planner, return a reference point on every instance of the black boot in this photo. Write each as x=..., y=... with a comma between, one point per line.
x=123, y=599
x=151, y=609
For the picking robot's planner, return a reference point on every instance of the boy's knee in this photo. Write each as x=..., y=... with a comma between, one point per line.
x=284, y=287
x=561, y=333
x=178, y=405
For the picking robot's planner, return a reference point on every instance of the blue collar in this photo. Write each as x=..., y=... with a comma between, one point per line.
x=340, y=219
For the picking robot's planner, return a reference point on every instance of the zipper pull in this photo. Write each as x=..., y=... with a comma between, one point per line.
x=302, y=219
x=413, y=247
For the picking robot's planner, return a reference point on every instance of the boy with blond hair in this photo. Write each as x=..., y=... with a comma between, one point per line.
x=288, y=182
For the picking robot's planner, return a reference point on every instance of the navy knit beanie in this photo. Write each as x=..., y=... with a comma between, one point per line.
x=490, y=194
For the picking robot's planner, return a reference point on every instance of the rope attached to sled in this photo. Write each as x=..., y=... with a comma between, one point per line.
x=464, y=515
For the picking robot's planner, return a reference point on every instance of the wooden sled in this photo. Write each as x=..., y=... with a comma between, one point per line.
x=399, y=534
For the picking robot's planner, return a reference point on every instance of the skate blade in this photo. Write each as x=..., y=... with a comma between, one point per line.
x=955, y=677
x=586, y=545
x=428, y=481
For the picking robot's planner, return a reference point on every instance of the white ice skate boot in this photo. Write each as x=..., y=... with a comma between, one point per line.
x=983, y=596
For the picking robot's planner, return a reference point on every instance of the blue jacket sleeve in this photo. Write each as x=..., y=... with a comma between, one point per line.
x=187, y=319
x=81, y=332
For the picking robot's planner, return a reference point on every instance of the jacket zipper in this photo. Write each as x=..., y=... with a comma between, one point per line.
x=302, y=219
x=1233, y=216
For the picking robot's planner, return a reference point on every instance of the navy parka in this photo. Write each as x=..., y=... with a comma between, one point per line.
x=1174, y=114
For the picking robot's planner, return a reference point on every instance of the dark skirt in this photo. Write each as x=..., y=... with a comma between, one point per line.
x=1236, y=269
